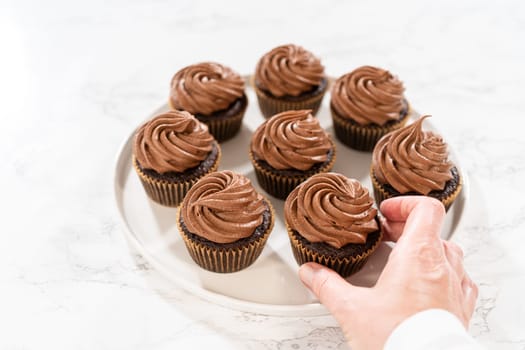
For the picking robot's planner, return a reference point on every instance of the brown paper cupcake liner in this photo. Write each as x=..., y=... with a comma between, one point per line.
x=380, y=192
x=222, y=129
x=270, y=105
x=168, y=193
x=279, y=185
x=344, y=266
x=362, y=137
x=226, y=260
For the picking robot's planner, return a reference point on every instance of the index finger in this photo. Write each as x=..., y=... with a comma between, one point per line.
x=419, y=218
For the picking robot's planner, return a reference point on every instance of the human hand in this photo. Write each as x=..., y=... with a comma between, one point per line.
x=423, y=272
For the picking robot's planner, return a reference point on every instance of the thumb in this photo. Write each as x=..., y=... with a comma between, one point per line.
x=422, y=217
x=335, y=293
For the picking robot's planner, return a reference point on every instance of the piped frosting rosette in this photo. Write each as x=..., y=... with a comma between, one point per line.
x=333, y=209
x=366, y=104
x=223, y=208
x=214, y=93
x=287, y=149
x=224, y=222
x=291, y=140
x=170, y=153
x=413, y=161
x=289, y=77
x=331, y=220
x=172, y=142
x=205, y=88
x=289, y=70
x=369, y=95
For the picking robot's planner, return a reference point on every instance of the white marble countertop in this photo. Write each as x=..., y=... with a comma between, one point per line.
x=76, y=77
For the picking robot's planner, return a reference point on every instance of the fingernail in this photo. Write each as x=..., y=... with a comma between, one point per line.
x=306, y=273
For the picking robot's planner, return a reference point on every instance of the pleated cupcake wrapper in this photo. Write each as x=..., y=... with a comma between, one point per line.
x=380, y=193
x=272, y=105
x=226, y=260
x=343, y=266
x=225, y=129
x=362, y=137
x=222, y=129
x=279, y=185
x=168, y=193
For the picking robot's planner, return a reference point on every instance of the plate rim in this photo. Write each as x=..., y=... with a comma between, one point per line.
x=305, y=310
x=312, y=309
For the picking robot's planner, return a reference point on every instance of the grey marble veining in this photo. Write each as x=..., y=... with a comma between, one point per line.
x=77, y=77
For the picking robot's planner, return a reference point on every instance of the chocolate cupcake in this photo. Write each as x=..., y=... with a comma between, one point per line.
x=331, y=220
x=366, y=104
x=287, y=149
x=289, y=77
x=170, y=153
x=410, y=161
x=214, y=94
x=224, y=222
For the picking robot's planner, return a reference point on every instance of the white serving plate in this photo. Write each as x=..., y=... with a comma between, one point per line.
x=271, y=285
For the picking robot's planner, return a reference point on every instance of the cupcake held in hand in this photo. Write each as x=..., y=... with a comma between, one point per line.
x=410, y=161
x=366, y=104
x=331, y=220
x=287, y=149
x=214, y=94
x=170, y=153
x=224, y=222
x=289, y=78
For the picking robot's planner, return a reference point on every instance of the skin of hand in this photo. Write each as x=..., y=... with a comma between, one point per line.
x=423, y=272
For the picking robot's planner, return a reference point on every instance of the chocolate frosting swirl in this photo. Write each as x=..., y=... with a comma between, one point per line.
x=288, y=70
x=205, y=88
x=331, y=208
x=223, y=207
x=412, y=160
x=368, y=95
x=291, y=140
x=172, y=142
